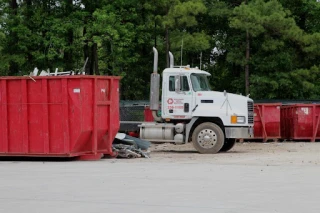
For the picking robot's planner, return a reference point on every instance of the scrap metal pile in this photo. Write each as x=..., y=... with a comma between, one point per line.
x=81, y=71
x=35, y=72
x=130, y=147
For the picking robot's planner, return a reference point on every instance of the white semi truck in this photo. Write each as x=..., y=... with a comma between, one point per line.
x=191, y=111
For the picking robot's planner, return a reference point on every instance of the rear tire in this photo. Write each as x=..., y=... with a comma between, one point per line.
x=208, y=138
x=228, y=144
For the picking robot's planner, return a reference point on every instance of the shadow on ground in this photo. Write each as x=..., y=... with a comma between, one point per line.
x=194, y=152
x=36, y=159
x=176, y=151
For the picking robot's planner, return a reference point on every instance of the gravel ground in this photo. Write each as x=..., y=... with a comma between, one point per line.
x=264, y=154
x=252, y=177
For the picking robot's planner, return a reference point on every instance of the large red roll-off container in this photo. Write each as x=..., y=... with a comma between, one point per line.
x=300, y=122
x=267, y=121
x=58, y=116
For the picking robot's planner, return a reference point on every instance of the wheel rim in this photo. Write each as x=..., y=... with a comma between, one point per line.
x=207, y=138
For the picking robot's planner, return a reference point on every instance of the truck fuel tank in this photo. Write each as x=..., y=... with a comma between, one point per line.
x=160, y=132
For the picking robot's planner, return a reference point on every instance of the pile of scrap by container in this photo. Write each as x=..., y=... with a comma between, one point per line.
x=130, y=147
x=35, y=72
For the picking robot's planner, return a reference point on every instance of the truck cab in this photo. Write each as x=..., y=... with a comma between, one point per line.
x=192, y=112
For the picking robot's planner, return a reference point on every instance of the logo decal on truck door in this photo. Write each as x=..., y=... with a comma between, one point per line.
x=170, y=101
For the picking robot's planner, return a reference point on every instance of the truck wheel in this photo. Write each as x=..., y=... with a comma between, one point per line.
x=208, y=138
x=228, y=144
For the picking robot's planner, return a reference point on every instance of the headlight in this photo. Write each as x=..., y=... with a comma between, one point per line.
x=238, y=119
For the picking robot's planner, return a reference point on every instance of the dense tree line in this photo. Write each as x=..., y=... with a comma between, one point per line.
x=268, y=48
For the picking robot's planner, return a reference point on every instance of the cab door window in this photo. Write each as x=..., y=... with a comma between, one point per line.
x=184, y=84
x=172, y=84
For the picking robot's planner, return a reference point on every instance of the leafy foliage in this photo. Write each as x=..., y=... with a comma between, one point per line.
x=117, y=37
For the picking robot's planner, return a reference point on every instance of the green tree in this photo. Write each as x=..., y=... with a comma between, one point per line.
x=38, y=34
x=181, y=26
x=117, y=38
x=277, y=47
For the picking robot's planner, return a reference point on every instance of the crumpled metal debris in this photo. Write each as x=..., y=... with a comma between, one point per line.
x=129, y=151
x=130, y=147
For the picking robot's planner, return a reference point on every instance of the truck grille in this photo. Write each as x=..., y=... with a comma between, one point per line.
x=250, y=112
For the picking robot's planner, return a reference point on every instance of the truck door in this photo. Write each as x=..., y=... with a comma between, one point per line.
x=178, y=97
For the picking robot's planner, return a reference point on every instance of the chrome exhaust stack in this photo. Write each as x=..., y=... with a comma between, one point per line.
x=155, y=87
x=171, y=59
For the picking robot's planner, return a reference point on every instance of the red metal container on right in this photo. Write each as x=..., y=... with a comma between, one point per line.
x=267, y=121
x=300, y=122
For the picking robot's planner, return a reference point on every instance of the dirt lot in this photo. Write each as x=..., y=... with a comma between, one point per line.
x=253, y=177
x=264, y=154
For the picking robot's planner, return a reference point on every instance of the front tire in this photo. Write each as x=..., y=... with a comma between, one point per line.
x=228, y=144
x=208, y=138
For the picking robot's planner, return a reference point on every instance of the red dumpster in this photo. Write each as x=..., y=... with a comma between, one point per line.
x=58, y=116
x=148, y=117
x=300, y=122
x=267, y=121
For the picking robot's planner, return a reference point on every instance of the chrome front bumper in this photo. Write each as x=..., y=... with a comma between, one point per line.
x=239, y=132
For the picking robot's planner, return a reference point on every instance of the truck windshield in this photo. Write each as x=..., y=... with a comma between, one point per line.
x=200, y=82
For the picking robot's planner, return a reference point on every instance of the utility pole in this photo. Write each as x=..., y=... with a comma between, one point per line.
x=181, y=51
x=155, y=27
x=167, y=46
x=247, y=62
x=200, y=60
x=247, y=76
